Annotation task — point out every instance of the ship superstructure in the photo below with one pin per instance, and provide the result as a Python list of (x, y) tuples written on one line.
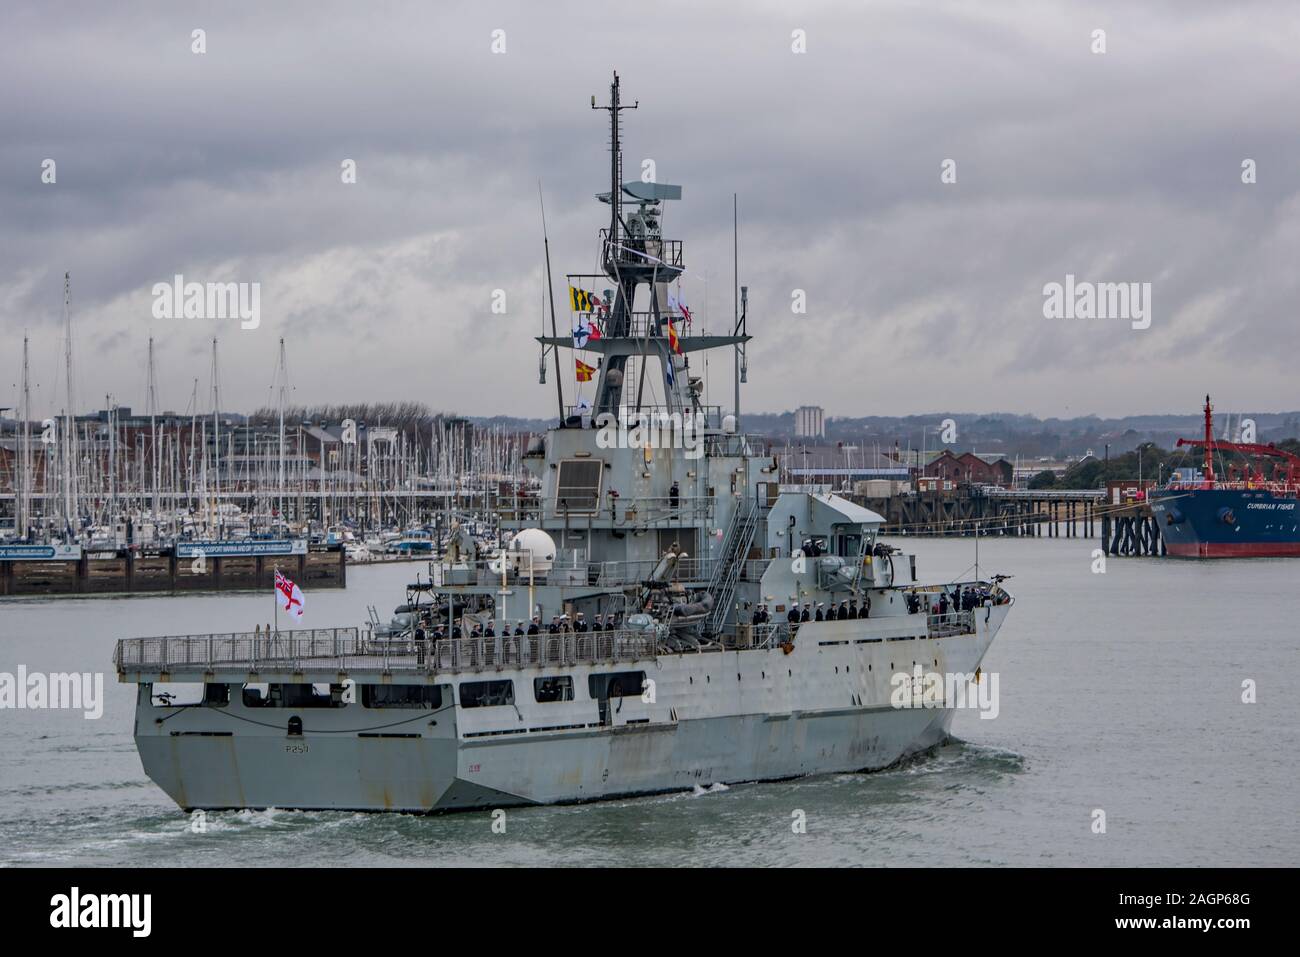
[(662, 615)]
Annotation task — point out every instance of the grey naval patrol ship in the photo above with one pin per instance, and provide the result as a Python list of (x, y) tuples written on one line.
[(663, 544)]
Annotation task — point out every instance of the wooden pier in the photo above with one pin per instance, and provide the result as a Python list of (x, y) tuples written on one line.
[(994, 512), (1131, 530)]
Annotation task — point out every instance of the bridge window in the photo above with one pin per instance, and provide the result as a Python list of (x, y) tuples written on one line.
[(486, 694), (553, 688), (616, 684), (401, 696)]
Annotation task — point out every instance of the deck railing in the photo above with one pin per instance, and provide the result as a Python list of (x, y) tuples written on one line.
[(349, 649), (952, 623), (352, 649)]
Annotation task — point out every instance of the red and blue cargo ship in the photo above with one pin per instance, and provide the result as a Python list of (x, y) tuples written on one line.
[(1250, 512)]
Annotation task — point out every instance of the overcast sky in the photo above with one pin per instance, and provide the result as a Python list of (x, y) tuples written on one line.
[(921, 295)]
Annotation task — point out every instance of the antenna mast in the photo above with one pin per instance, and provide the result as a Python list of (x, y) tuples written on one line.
[(546, 243), (615, 158)]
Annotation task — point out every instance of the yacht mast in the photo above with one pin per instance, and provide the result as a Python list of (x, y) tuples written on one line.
[(282, 375), (70, 504), (216, 440), (152, 402), (25, 452)]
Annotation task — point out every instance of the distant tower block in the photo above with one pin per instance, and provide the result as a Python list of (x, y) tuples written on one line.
[(810, 422)]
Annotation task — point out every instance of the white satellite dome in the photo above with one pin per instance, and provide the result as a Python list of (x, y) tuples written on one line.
[(539, 544)]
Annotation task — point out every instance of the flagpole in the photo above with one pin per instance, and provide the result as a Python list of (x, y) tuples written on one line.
[(274, 594)]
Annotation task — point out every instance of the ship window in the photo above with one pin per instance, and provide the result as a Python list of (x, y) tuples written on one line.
[(485, 694), (257, 696), (553, 688), (401, 696), (183, 694), (577, 488), (616, 684), (292, 695)]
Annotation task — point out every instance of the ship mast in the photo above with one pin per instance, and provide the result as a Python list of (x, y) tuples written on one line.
[(634, 253), (1209, 441), (615, 158)]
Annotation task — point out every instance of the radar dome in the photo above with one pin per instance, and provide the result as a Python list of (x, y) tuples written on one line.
[(540, 545)]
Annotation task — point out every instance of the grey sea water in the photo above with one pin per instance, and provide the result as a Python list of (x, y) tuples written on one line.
[(1119, 691)]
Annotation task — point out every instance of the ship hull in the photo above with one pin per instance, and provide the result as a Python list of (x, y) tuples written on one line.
[(721, 717), (1227, 523)]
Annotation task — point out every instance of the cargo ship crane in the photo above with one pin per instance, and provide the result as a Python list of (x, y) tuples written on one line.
[(1289, 475)]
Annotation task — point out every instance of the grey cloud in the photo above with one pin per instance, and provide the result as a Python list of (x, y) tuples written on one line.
[(1117, 167)]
